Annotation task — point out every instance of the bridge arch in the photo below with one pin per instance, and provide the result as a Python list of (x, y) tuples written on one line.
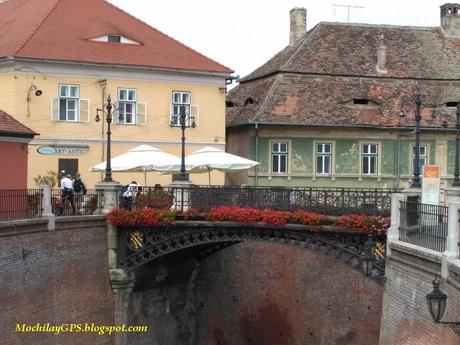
[(140, 245)]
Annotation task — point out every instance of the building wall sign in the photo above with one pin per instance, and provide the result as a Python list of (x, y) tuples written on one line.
[(431, 184), (62, 150), (46, 150)]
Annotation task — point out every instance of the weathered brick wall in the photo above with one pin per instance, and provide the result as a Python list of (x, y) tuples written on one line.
[(54, 277), (405, 316), (256, 294), (261, 293)]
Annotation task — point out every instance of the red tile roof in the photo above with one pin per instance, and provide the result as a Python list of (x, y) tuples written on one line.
[(315, 81), (61, 30), (10, 126)]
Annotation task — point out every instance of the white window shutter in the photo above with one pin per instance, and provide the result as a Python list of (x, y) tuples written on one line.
[(84, 110), (171, 113), (116, 113), (54, 109), (141, 113), (194, 113)]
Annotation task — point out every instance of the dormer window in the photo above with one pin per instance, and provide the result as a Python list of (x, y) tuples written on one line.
[(248, 100), (361, 101), (451, 104), (114, 38)]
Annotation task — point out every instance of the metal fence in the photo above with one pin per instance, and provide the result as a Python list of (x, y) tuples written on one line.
[(332, 201), (423, 225), (20, 204)]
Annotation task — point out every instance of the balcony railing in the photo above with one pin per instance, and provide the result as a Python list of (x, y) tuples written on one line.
[(424, 225), (20, 204)]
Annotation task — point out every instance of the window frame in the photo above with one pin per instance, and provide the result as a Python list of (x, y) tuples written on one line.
[(279, 154), (323, 155), (122, 105), (375, 155), (174, 119), (412, 157), (66, 99)]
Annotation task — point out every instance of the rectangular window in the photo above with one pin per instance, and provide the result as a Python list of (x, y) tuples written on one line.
[(369, 159), (69, 100), (127, 106), (323, 158), (180, 100), (279, 157), (423, 157)]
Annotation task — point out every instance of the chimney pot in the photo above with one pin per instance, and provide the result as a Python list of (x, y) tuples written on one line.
[(450, 20), (298, 24)]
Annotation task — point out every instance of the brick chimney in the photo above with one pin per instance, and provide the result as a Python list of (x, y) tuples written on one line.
[(381, 56), (298, 24), (450, 20)]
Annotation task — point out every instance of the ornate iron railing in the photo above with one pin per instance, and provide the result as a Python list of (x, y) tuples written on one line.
[(332, 201), (423, 225), (142, 244), (20, 204)]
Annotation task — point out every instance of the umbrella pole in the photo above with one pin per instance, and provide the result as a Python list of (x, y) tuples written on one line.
[(209, 177), (145, 177)]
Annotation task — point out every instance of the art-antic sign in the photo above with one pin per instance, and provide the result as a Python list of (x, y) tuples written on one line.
[(62, 150)]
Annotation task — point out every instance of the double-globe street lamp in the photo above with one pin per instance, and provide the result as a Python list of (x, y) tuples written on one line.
[(416, 182), (109, 112), (185, 120)]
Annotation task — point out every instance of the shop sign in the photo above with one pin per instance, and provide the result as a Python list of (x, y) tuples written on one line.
[(62, 150), (46, 150)]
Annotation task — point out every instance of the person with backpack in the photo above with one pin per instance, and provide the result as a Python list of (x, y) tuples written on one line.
[(79, 189), (129, 194)]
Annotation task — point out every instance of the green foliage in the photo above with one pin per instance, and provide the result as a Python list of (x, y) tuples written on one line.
[(51, 179)]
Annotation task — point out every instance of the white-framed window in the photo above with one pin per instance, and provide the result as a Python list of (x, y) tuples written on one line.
[(323, 158), (68, 107), (369, 159), (279, 157), (181, 99), (127, 106), (423, 152), (130, 110), (69, 101)]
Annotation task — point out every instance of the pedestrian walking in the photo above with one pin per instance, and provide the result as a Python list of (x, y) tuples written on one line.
[(67, 193), (79, 189)]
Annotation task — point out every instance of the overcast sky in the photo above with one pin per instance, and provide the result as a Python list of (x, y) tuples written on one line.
[(244, 34)]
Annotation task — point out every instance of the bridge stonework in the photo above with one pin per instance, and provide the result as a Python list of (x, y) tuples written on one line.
[(255, 292), (55, 277)]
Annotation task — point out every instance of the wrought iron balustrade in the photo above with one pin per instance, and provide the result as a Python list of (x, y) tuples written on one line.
[(332, 201), (85, 204), (423, 225)]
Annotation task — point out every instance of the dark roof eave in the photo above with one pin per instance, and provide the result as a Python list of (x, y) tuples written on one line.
[(18, 134), (265, 123)]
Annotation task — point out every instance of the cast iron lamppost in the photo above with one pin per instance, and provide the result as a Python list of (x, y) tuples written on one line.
[(456, 182), (416, 181), (108, 114), (183, 119), (436, 301)]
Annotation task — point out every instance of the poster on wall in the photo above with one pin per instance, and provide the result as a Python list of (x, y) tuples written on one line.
[(431, 184)]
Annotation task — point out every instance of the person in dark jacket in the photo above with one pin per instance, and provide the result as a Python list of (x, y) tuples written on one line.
[(79, 189)]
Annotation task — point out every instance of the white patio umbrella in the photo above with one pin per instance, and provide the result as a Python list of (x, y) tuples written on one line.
[(142, 158), (210, 158)]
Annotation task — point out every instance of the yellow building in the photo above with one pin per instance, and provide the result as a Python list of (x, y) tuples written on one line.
[(60, 59)]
